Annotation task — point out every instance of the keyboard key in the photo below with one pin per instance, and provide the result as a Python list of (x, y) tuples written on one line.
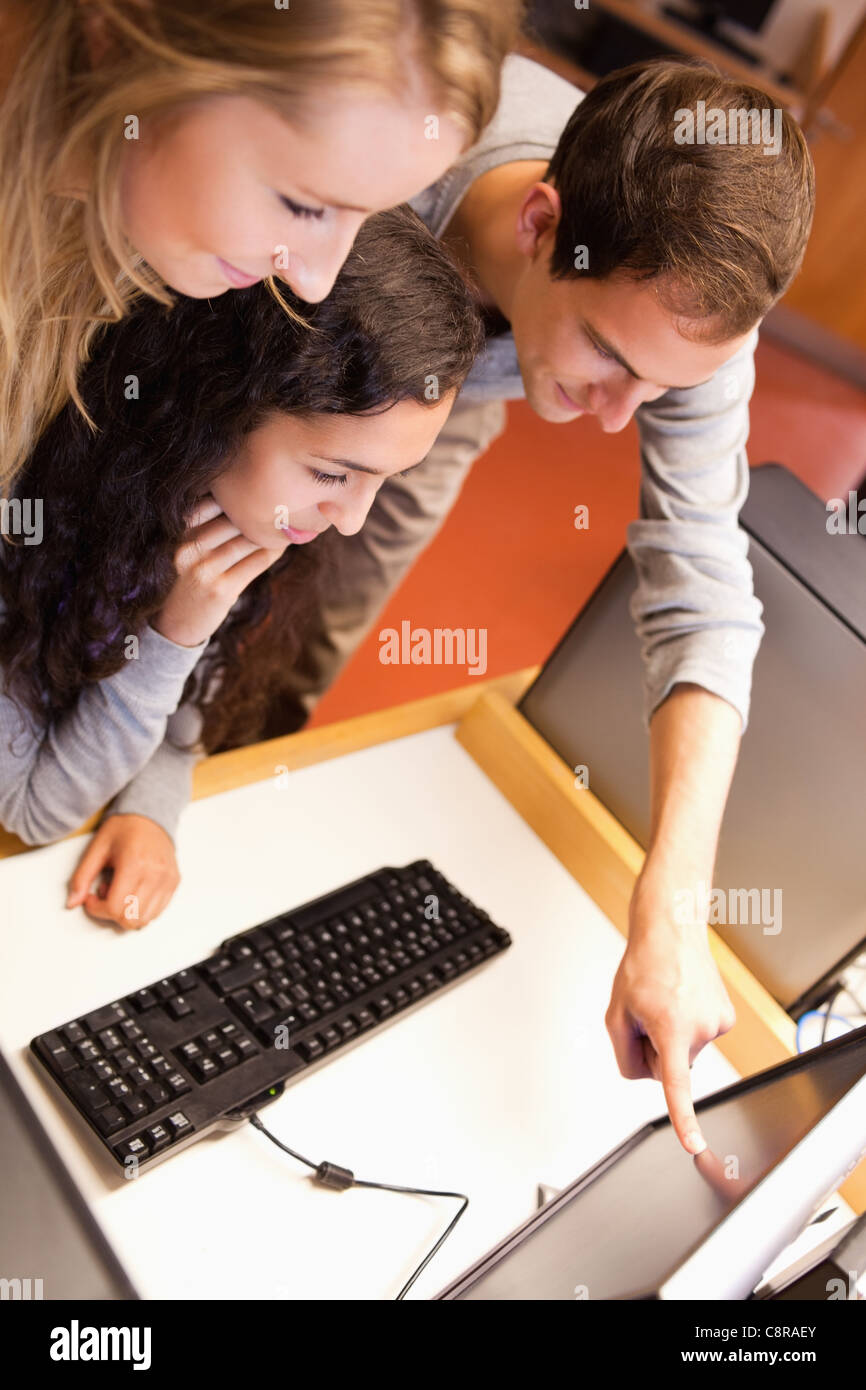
[(348, 1027), (230, 1029), (88, 1051), (205, 1069), (331, 1037), (179, 1007), (185, 981), (137, 1076), (166, 989), (178, 1124), (156, 1093), (104, 1018), (103, 1071), (146, 1049), (311, 1048), (241, 950), (364, 1019), (119, 1089), (144, 999), (126, 1060), (132, 1148), (110, 1120), (136, 1107), (217, 966), (227, 1057), (89, 1094), (73, 1033), (245, 1046), (211, 1040), (177, 1084), (157, 1137), (161, 1067), (189, 1051), (239, 975), (130, 1030), (110, 1039), (381, 1007), (62, 1059)]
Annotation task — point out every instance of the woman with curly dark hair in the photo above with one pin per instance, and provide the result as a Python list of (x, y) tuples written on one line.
[(164, 598)]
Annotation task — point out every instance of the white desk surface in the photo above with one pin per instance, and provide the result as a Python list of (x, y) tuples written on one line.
[(504, 1081)]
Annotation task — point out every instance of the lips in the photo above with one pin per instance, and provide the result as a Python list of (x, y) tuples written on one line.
[(238, 278), (567, 401), (299, 537)]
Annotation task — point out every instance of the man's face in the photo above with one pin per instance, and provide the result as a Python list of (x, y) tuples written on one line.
[(564, 331)]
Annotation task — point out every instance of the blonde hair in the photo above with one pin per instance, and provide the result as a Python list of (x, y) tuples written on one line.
[(66, 266)]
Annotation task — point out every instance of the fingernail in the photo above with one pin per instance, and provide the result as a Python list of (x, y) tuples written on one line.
[(695, 1143)]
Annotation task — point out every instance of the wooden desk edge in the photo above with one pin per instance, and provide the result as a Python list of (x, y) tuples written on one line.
[(605, 860)]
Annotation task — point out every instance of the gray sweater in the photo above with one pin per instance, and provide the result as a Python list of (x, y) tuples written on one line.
[(695, 612)]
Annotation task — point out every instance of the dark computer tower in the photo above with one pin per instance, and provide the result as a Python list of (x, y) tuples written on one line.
[(796, 816)]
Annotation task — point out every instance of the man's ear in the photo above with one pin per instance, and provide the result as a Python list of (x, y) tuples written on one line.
[(540, 211)]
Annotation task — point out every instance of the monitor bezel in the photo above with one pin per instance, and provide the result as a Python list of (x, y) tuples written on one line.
[(669, 1287)]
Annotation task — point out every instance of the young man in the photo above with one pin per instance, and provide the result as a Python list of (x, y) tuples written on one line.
[(625, 248)]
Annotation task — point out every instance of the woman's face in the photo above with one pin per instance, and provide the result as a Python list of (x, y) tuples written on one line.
[(295, 476), (225, 192)]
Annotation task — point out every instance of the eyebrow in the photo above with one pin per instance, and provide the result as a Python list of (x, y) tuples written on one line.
[(362, 467), (617, 355)]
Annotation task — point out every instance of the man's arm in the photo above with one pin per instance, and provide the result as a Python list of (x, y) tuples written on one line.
[(668, 999), (699, 624)]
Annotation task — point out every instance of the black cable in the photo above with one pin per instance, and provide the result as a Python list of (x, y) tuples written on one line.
[(332, 1175)]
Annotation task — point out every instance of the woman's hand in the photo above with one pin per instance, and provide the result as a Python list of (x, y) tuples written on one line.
[(139, 856), (215, 562)]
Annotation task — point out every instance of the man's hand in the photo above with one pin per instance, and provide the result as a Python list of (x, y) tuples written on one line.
[(137, 856), (668, 1002)]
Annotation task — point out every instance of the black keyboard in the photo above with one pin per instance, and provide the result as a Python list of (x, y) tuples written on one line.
[(209, 1045)]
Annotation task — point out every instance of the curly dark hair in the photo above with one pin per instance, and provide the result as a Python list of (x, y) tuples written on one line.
[(173, 391)]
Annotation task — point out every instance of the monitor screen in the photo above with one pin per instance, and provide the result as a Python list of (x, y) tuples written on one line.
[(50, 1246), (624, 1232)]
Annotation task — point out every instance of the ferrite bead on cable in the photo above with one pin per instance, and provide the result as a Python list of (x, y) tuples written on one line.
[(332, 1175)]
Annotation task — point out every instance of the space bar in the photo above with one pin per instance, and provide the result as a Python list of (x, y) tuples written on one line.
[(331, 903)]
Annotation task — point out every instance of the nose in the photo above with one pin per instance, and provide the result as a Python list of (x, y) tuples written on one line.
[(348, 514), (615, 405), (311, 272)]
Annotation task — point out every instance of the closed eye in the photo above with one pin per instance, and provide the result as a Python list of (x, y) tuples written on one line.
[(298, 209), (607, 356), (330, 479)]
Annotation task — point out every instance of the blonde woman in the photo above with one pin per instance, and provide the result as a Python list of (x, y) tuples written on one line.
[(150, 145)]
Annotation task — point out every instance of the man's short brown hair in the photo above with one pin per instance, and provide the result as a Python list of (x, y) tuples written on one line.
[(723, 226)]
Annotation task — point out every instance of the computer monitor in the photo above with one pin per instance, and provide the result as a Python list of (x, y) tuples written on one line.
[(651, 1222), (50, 1245), (791, 840)]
